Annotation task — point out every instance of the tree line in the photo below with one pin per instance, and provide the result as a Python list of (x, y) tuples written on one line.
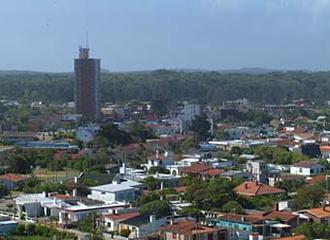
[(204, 87)]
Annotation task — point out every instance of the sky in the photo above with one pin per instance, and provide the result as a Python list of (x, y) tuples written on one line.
[(44, 35)]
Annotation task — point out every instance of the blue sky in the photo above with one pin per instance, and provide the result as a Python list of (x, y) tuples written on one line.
[(151, 34)]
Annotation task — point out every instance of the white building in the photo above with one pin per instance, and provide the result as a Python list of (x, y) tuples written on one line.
[(32, 205), (307, 168), (159, 160), (142, 225), (119, 190), (73, 214)]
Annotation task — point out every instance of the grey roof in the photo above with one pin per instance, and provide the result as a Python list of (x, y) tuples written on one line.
[(117, 187), (137, 221)]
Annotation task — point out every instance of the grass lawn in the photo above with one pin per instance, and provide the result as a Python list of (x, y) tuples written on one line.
[(55, 176), (29, 238)]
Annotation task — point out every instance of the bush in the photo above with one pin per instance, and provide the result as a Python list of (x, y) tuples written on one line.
[(31, 229), (20, 229)]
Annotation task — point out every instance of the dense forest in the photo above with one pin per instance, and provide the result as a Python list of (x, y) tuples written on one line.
[(204, 87)]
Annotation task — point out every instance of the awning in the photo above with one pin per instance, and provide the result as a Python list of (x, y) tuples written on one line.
[(280, 225)]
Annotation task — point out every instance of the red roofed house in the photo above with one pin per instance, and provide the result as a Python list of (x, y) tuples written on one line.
[(187, 229), (196, 170), (112, 221), (325, 151), (212, 173), (11, 181), (255, 189), (319, 215), (285, 217), (201, 170)]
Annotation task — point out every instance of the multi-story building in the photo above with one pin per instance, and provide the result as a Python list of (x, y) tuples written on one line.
[(87, 81)]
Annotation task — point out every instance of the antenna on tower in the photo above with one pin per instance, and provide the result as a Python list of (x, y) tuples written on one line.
[(87, 40)]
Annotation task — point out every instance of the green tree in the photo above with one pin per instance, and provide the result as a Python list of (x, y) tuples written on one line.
[(3, 190), (201, 127), (309, 196), (113, 135), (233, 207), (159, 208), (151, 183), (314, 230)]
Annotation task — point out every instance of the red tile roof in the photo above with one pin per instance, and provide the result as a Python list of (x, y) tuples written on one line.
[(319, 212), (196, 168), (256, 189), (122, 216), (316, 179), (284, 216), (241, 217), (325, 148), (188, 227), (213, 172), (62, 196), (14, 177)]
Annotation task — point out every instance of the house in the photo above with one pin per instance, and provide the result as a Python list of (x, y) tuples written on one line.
[(320, 215), (188, 229), (72, 211), (255, 189), (284, 217), (142, 225), (196, 170), (119, 190), (32, 205), (112, 221), (11, 181), (245, 227), (237, 174), (307, 168), (259, 170), (159, 160)]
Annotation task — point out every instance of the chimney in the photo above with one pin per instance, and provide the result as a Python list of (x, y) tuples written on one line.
[(246, 185), (44, 194), (243, 218), (157, 154), (161, 185), (75, 180), (74, 192)]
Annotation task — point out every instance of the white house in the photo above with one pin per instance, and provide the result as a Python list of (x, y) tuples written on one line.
[(307, 168), (73, 214), (32, 205), (119, 190), (159, 160), (142, 225)]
